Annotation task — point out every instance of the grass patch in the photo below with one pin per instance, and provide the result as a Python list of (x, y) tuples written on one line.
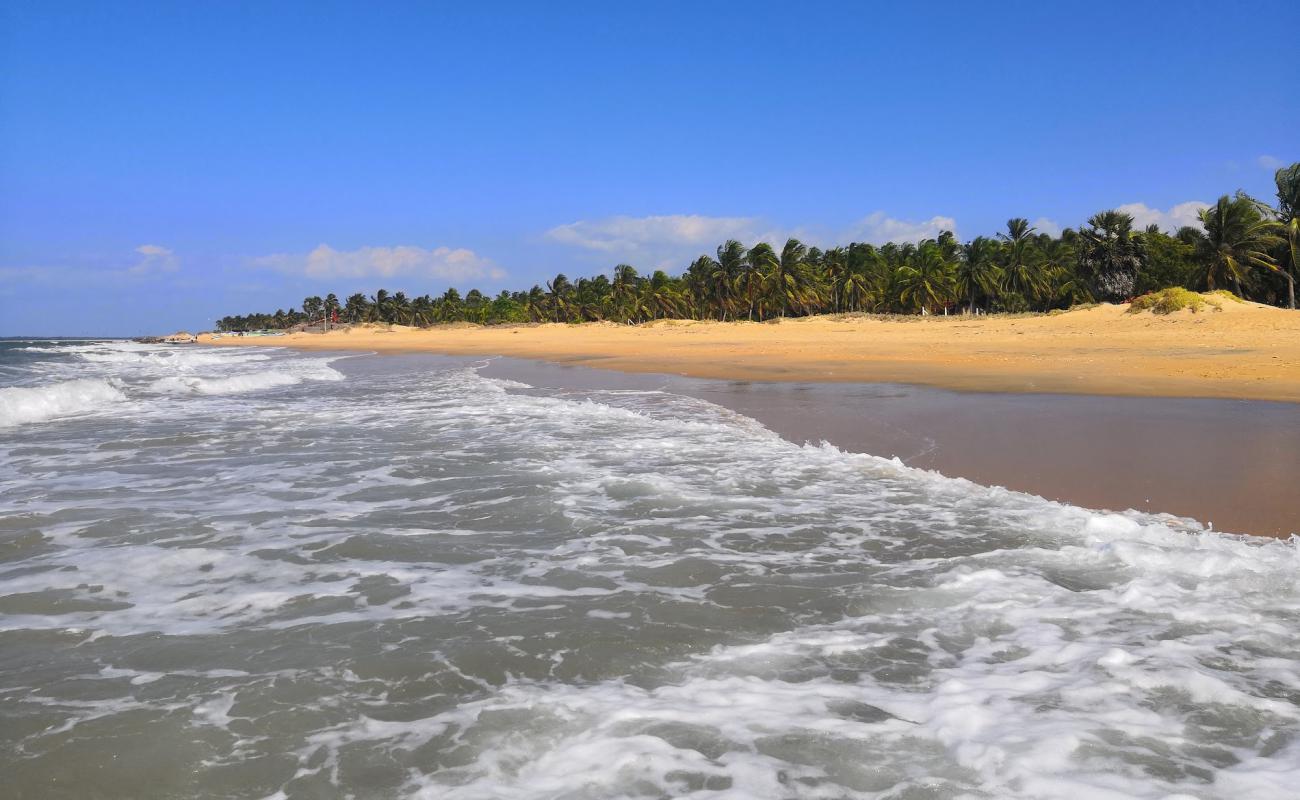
[(1167, 301), (1226, 295)]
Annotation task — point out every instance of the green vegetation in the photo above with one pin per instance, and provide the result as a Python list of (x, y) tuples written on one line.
[(1167, 301), (1241, 242)]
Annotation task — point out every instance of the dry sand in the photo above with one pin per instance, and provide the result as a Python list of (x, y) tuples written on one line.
[(1244, 351)]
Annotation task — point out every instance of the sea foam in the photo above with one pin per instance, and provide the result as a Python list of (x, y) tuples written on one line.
[(26, 404)]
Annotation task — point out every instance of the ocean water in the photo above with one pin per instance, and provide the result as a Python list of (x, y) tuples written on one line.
[(260, 573)]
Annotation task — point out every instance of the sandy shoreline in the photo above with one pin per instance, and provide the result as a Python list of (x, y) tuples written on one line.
[(1244, 351)]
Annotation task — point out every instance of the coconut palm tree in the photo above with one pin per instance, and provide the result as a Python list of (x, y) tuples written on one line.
[(856, 290), (1237, 237), (1288, 213), (559, 294), (312, 307), (721, 275), (787, 283), (927, 282), (379, 306), (449, 305), (659, 296), (1022, 269), (835, 270), (978, 271), (356, 308), (760, 261), (623, 292)]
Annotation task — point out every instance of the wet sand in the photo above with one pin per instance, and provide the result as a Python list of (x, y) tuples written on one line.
[(1229, 463)]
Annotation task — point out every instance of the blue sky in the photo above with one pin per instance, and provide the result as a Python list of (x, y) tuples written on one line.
[(165, 164)]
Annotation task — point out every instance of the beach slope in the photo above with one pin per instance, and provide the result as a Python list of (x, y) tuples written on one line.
[(1240, 350)]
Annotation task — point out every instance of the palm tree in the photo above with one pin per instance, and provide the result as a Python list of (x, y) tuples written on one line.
[(559, 293), (1288, 213), (721, 274), (787, 282), (927, 281), (356, 308), (759, 263), (835, 267), (379, 306), (1022, 271), (422, 310), (623, 291), (449, 305), (400, 308), (312, 306), (856, 290), (659, 297), (978, 271), (1110, 256), (1237, 237), (535, 304)]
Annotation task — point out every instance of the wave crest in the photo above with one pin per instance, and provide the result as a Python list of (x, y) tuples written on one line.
[(26, 404)]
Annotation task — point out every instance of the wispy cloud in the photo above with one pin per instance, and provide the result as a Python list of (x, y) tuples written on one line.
[(1271, 162), (653, 233), (154, 258), (879, 228), (325, 262), (1178, 216), (669, 240), (151, 260)]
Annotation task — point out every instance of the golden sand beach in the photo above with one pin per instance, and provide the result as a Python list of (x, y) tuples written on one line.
[(1240, 350)]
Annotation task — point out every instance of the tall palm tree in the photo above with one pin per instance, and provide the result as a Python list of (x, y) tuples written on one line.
[(659, 296), (422, 310), (623, 292), (787, 284), (535, 304), (1022, 270), (1237, 237), (356, 307), (835, 267), (559, 293), (722, 275), (978, 271), (379, 306), (927, 282), (1288, 213), (759, 263), (856, 290), (312, 307)]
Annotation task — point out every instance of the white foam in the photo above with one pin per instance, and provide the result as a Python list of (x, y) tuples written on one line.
[(918, 634), (27, 404), (242, 382)]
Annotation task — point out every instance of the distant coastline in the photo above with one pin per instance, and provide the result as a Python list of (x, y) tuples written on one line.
[(1238, 350)]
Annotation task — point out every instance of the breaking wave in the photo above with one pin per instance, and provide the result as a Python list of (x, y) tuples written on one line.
[(26, 404)]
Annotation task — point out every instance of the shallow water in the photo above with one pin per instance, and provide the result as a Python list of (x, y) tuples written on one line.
[(229, 573)]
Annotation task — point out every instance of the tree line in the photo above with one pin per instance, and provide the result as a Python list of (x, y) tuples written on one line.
[(1243, 244)]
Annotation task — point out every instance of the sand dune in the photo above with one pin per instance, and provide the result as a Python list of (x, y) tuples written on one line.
[(1244, 350)]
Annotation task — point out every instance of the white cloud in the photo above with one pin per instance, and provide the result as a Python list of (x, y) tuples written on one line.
[(1048, 226), (654, 233), (669, 241), (154, 258), (384, 262), (1271, 162), (878, 228), (1176, 217)]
